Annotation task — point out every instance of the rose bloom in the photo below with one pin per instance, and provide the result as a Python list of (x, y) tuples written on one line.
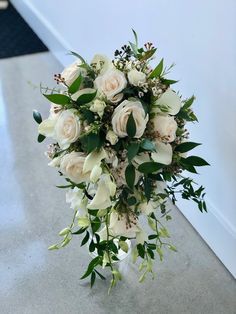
[(71, 73), (67, 128), (121, 116), (72, 167), (165, 127), (136, 77), (111, 83)]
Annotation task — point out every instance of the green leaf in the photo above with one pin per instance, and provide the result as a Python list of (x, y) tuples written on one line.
[(158, 70), (63, 186), (100, 275), (141, 250), (196, 161), (135, 37), (78, 56), (58, 99), (172, 248), (149, 167), (160, 252), (130, 176), (93, 277), (131, 201), (91, 266), (152, 236), (85, 239), (188, 103), (85, 98), (147, 187), (187, 166), (185, 147), (75, 85), (131, 126), (134, 48), (41, 138), (148, 145), (92, 246), (124, 246), (133, 149), (37, 116), (148, 54), (81, 230), (168, 82), (93, 142)]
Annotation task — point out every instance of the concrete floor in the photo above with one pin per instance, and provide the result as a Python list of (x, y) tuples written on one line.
[(34, 280)]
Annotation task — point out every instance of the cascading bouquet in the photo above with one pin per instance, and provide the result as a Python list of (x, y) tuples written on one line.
[(120, 142)]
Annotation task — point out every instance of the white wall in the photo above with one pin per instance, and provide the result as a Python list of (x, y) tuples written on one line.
[(199, 36)]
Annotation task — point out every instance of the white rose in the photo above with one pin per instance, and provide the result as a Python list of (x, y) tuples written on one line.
[(136, 77), (117, 98), (165, 127), (102, 63), (71, 73), (67, 128), (98, 107), (72, 167), (111, 83), (112, 137), (121, 116)]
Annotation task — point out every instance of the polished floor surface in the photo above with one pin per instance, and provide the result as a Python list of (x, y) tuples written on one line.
[(34, 280)]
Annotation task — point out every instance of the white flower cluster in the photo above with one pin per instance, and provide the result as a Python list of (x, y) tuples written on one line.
[(116, 125)]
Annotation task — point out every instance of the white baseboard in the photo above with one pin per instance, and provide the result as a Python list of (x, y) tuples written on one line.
[(217, 232), (45, 31)]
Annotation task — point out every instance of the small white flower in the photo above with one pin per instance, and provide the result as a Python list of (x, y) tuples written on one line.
[(98, 107), (101, 63), (77, 200), (112, 137), (136, 77)]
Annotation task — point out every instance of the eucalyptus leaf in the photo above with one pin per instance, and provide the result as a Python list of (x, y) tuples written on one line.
[(41, 138), (37, 116)]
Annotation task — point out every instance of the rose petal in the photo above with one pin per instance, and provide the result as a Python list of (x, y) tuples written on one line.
[(92, 159), (170, 99), (164, 153)]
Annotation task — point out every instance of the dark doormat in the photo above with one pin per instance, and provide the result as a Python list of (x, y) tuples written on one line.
[(16, 37)]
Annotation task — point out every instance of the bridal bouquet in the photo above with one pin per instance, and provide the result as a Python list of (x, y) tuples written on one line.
[(121, 144)]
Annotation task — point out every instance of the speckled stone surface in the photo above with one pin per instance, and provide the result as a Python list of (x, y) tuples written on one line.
[(36, 281)]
